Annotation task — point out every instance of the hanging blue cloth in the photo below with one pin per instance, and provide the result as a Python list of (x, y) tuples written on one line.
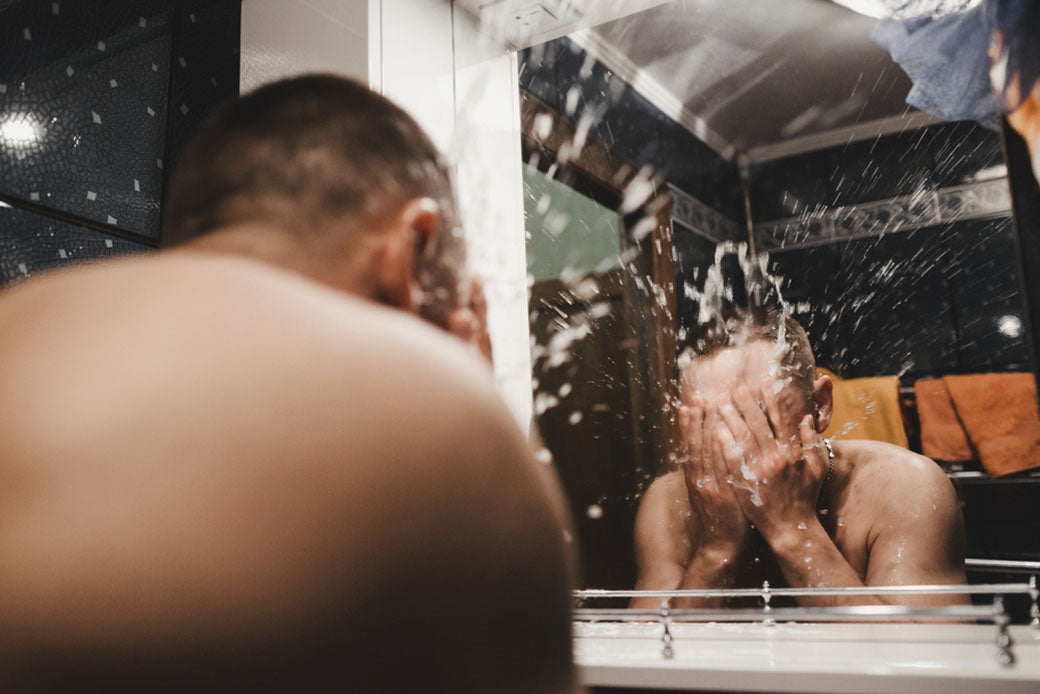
[(944, 46)]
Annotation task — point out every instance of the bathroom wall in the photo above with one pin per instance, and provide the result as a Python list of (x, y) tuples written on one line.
[(96, 102), (630, 125), (283, 38), (575, 235), (899, 251), (705, 187)]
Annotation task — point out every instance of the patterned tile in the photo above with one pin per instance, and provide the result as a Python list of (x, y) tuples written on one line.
[(691, 212), (981, 200)]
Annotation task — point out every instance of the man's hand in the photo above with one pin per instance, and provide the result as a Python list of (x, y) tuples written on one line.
[(721, 525), (778, 466), (469, 322)]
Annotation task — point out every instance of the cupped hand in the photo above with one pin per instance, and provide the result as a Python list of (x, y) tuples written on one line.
[(721, 525), (778, 464), (469, 322)]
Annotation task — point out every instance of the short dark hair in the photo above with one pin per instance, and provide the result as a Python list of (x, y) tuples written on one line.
[(304, 152), (738, 326)]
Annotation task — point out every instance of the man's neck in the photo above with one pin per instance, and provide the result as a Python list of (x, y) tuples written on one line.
[(844, 460), (274, 247)]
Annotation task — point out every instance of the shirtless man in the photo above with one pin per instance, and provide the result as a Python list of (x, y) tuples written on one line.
[(240, 464), (758, 497)]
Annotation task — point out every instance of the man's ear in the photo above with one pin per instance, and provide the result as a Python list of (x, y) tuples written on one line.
[(406, 237), (823, 400)]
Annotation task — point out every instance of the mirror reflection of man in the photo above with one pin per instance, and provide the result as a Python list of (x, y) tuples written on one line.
[(761, 496), (244, 464)]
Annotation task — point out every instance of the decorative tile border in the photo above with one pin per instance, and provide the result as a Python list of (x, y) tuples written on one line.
[(957, 203), (702, 219)]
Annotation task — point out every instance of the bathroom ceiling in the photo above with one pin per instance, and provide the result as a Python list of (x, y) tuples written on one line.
[(759, 73)]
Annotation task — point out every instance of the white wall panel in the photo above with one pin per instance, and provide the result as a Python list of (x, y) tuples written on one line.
[(282, 38), (416, 67), (490, 184)]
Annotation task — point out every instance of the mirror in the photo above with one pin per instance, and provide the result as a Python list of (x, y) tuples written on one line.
[(690, 160)]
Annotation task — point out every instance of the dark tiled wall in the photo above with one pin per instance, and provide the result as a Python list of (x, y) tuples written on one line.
[(629, 124), (938, 156), (95, 82), (205, 70), (929, 301), (914, 303), (31, 243), (693, 255), (560, 73)]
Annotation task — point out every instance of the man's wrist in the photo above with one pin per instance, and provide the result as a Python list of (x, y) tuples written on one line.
[(790, 538), (718, 553)]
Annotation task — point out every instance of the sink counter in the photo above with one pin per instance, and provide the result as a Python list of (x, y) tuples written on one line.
[(799, 657)]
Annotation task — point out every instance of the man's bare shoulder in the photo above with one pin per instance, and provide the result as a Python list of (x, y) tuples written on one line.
[(893, 478), (666, 493), (198, 339), (219, 448), (876, 461), (664, 511)]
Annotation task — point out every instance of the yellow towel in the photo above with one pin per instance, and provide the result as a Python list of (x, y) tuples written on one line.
[(866, 408)]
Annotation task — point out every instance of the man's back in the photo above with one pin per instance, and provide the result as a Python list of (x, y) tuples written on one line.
[(215, 472)]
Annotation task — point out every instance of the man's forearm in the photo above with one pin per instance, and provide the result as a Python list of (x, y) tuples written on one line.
[(709, 568), (810, 559)]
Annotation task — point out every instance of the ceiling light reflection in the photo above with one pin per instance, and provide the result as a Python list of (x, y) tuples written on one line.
[(1010, 325), (20, 131)]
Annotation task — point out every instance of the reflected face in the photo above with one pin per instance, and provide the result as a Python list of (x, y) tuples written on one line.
[(755, 365)]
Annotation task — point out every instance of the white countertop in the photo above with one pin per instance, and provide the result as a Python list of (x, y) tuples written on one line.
[(848, 658)]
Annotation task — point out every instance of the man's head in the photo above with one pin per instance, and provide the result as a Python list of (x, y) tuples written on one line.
[(324, 170), (757, 348)]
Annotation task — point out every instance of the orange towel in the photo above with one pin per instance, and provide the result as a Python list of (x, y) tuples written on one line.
[(866, 408), (942, 433), (999, 412)]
